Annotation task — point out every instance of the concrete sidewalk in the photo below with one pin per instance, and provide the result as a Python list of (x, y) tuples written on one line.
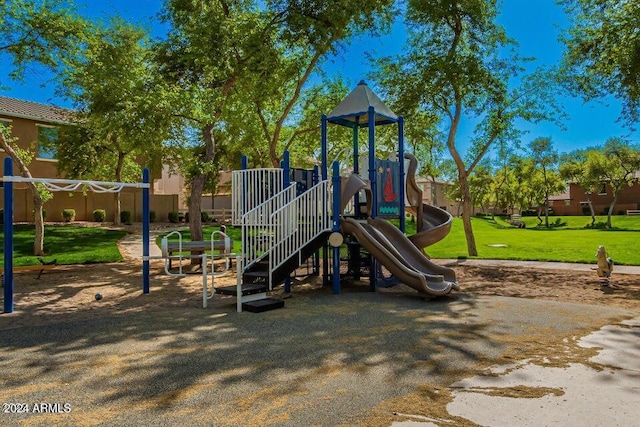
[(545, 265), (603, 393)]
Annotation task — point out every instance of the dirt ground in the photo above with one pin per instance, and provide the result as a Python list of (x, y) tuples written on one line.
[(68, 292)]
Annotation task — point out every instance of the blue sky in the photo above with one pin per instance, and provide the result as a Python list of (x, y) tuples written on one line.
[(533, 24)]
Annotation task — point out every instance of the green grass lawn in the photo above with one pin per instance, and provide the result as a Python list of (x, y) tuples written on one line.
[(67, 244), (567, 241)]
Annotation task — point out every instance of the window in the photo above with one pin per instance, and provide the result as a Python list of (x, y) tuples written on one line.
[(603, 189), (47, 139)]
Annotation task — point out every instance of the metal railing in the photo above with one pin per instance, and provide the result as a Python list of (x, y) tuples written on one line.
[(251, 188), (257, 229), (299, 222)]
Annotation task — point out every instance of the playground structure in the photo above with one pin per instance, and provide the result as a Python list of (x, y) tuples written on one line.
[(285, 221)]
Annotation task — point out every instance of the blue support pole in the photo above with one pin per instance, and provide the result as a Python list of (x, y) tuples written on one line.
[(356, 165), (324, 172), (372, 163), (8, 237), (374, 190), (336, 226), (402, 172), (323, 136), (287, 182), (145, 232)]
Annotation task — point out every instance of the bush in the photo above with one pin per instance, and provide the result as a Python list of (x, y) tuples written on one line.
[(99, 215), (186, 217), (173, 217), (125, 217), (69, 215), (204, 217), (1, 216), (152, 216)]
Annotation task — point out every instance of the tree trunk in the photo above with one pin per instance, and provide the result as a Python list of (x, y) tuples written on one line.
[(466, 215), (197, 188), (611, 206), (116, 196), (38, 242), (593, 213)]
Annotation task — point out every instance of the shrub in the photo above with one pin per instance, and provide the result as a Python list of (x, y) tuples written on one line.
[(1, 216), (186, 217), (204, 217), (173, 217), (99, 215), (69, 215), (125, 217), (152, 216), (44, 214)]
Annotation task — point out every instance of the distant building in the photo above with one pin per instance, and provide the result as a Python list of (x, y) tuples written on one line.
[(434, 192), (575, 201)]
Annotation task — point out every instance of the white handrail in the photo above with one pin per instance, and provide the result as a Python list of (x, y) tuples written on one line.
[(257, 231), (298, 222), (251, 188)]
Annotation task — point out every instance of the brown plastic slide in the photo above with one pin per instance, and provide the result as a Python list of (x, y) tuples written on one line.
[(433, 223), (406, 262)]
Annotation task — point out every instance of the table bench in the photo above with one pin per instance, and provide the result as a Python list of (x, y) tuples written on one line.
[(168, 248), (633, 211)]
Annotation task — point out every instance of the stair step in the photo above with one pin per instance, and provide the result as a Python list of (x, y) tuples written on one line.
[(247, 289), (266, 304), (258, 273)]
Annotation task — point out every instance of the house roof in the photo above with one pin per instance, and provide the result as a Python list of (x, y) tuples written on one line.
[(353, 110), (564, 196), (12, 107)]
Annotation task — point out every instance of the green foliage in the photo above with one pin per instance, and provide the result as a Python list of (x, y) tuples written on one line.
[(68, 244), (174, 217), (125, 217), (69, 215), (602, 55), (204, 217), (152, 216), (1, 216), (99, 215)]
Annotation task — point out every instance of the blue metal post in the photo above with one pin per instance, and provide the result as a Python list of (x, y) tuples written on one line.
[(286, 183), (323, 136), (8, 237), (372, 163), (145, 232), (336, 225), (374, 189), (356, 165), (401, 173)]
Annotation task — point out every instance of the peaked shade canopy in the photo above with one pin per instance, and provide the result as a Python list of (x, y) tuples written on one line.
[(353, 110)]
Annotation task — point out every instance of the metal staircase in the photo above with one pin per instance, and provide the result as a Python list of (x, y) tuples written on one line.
[(278, 235)]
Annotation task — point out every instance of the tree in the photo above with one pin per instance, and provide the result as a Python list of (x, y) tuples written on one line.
[(545, 158), (573, 169), (459, 63), (36, 32), (122, 108), (617, 166), (217, 50), (602, 54)]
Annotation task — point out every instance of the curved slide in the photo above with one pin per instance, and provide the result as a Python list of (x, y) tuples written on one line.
[(433, 223), (400, 256)]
